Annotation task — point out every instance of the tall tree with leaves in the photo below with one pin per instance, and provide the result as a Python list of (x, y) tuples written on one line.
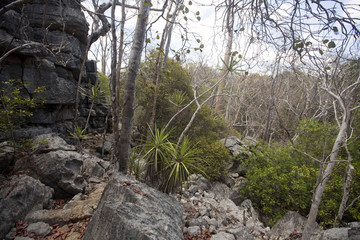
[(130, 83)]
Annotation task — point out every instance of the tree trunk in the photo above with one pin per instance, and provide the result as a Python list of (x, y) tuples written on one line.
[(130, 83), (160, 64), (320, 188), (230, 35), (114, 89), (347, 184)]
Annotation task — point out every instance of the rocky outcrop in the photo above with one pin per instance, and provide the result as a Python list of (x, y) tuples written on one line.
[(129, 209), (57, 165), (209, 209), (18, 197), (290, 223), (80, 207), (56, 34)]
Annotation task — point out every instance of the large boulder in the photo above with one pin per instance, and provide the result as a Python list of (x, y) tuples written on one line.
[(292, 222), (335, 234), (129, 209), (19, 196), (80, 207), (57, 165)]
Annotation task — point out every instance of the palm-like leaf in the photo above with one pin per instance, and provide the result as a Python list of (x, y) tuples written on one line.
[(156, 152), (180, 164)]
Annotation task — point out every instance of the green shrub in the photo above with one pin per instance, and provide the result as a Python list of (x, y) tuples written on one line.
[(104, 82), (214, 157), (275, 184)]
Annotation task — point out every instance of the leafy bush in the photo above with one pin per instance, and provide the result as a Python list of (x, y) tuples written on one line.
[(104, 82), (15, 108), (283, 178), (276, 184), (214, 158)]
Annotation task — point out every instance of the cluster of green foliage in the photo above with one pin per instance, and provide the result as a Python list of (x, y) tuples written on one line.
[(104, 84), (215, 157), (15, 106), (283, 178), (174, 93), (167, 165)]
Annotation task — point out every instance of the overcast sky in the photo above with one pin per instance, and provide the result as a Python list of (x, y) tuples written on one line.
[(209, 30)]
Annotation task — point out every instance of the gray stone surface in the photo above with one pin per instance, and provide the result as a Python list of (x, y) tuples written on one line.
[(132, 210), (57, 165), (62, 27), (335, 234), (193, 230), (223, 236), (19, 196), (39, 228), (292, 221)]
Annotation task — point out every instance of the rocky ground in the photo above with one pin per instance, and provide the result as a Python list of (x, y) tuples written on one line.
[(59, 193)]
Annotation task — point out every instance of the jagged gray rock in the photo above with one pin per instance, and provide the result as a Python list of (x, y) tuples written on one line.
[(335, 234), (290, 222), (129, 209), (39, 228), (19, 196), (60, 30), (57, 165)]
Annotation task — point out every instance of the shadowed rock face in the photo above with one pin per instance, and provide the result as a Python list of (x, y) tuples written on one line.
[(132, 210), (60, 30), (19, 196)]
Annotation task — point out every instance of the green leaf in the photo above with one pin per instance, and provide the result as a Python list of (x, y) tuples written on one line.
[(198, 40), (190, 3), (335, 29), (331, 45), (186, 10), (201, 45), (148, 40), (197, 13), (326, 41), (321, 52), (198, 18), (185, 18)]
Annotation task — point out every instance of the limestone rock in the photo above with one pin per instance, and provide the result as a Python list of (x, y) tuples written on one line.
[(335, 234), (19, 196), (290, 222), (223, 236), (39, 228), (132, 210), (76, 209), (58, 166)]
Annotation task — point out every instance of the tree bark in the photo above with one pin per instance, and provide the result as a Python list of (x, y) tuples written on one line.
[(320, 188), (347, 184), (130, 83), (114, 89), (230, 35)]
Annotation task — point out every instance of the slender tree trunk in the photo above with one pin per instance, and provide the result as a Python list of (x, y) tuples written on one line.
[(116, 67), (160, 64), (230, 35), (130, 83), (121, 45), (320, 188), (347, 184), (114, 88)]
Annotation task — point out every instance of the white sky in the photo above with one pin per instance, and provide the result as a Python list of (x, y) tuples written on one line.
[(209, 30)]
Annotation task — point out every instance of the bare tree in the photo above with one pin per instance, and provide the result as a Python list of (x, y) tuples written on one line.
[(130, 83), (229, 26)]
